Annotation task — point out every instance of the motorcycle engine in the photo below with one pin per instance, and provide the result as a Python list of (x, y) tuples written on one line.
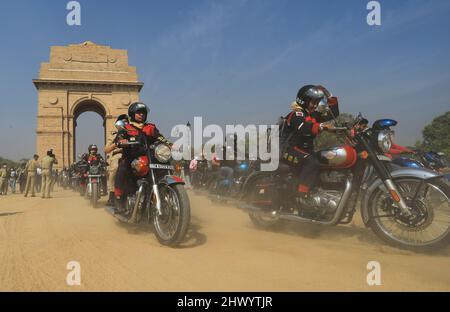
[(327, 200), (131, 202), (333, 177)]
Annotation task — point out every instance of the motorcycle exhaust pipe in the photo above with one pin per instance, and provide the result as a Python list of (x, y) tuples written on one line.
[(260, 210), (288, 217)]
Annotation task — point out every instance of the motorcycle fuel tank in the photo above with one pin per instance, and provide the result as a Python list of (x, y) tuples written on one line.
[(340, 157)]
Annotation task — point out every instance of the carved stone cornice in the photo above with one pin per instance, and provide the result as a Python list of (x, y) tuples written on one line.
[(77, 85)]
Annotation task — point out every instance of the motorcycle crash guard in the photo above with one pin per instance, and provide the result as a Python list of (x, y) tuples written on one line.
[(423, 174)]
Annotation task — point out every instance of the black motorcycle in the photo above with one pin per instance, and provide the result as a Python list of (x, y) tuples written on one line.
[(160, 197), (406, 207), (199, 177), (95, 183), (224, 190)]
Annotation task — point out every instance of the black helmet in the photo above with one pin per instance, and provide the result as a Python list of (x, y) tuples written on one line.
[(310, 93), (137, 107), (92, 147), (122, 117)]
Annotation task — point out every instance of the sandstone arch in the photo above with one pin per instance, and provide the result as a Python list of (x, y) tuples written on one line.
[(79, 78)]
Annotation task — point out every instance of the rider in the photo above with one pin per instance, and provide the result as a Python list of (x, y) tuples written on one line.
[(136, 130), (93, 158), (304, 123)]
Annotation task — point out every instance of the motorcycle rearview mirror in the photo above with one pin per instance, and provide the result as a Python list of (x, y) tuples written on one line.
[(323, 106), (120, 125)]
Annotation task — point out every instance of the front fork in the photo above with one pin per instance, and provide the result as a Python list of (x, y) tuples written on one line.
[(155, 190), (386, 177)]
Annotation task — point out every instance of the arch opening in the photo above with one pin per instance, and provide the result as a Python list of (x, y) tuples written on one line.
[(86, 129)]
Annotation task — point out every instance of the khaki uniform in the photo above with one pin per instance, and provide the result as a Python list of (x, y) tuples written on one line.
[(113, 162), (47, 167), (30, 170), (3, 180)]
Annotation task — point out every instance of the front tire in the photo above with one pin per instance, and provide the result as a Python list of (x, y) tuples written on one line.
[(431, 209), (172, 225), (94, 195)]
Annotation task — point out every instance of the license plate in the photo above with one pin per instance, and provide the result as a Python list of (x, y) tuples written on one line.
[(159, 166)]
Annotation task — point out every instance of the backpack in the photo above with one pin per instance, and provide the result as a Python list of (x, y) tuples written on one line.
[(285, 133)]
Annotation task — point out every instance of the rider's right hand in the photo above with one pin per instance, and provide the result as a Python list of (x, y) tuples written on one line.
[(123, 141)]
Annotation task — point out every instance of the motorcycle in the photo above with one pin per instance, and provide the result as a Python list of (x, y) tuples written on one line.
[(405, 207), (222, 190), (82, 176), (65, 179), (200, 175), (160, 198), (95, 185), (419, 159)]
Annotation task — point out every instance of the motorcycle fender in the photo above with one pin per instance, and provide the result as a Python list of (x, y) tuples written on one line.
[(171, 180), (251, 178), (424, 174)]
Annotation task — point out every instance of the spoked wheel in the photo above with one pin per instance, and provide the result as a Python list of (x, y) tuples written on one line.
[(428, 226), (171, 226)]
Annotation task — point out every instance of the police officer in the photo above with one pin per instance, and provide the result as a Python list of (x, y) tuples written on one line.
[(31, 171), (304, 124), (47, 167), (4, 179), (113, 161)]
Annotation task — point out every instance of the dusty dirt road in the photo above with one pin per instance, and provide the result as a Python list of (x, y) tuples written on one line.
[(224, 252)]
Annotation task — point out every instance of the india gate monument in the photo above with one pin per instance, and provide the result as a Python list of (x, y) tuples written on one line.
[(80, 78)]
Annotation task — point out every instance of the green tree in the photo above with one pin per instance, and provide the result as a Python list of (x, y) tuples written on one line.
[(436, 136), (9, 163)]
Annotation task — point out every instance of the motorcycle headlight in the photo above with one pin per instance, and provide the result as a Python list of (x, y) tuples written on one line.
[(384, 141), (163, 153)]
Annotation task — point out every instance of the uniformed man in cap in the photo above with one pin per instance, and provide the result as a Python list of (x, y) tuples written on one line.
[(113, 162), (31, 171), (47, 167), (4, 176)]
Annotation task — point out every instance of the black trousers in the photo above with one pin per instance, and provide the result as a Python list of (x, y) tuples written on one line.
[(304, 164), (124, 183)]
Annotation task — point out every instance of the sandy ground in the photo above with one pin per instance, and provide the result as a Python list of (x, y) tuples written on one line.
[(223, 252)]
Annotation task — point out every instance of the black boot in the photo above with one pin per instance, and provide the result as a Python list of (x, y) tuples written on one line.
[(110, 202), (120, 204)]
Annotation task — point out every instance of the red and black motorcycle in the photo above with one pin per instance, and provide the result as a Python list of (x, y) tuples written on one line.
[(407, 207), (160, 198)]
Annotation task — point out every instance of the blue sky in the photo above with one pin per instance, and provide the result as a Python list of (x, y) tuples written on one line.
[(236, 61)]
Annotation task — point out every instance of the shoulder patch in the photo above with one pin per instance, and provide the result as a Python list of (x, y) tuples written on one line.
[(299, 114)]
